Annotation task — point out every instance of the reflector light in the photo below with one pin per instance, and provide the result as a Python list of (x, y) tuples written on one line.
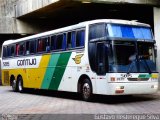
[(119, 91)]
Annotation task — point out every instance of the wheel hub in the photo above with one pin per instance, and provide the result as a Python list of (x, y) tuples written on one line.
[(86, 90)]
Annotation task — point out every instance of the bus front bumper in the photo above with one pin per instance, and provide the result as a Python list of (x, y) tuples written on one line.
[(132, 88)]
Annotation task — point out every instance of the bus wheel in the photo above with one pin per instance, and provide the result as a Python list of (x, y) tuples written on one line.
[(86, 90), (20, 84), (14, 86)]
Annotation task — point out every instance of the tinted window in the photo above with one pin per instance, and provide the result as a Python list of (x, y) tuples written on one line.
[(59, 41), (30, 47), (48, 48), (4, 52), (69, 38), (20, 48), (92, 55), (53, 42), (12, 50), (73, 39), (27, 47), (64, 42), (97, 31), (80, 36), (42, 43), (9, 51)]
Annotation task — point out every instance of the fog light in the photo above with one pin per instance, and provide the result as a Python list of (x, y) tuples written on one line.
[(154, 86)]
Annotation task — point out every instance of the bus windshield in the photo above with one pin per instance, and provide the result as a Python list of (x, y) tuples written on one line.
[(131, 47), (129, 32), (129, 56)]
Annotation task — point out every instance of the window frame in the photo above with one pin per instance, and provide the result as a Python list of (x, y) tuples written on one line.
[(24, 49), (55, 42), (78, 30), (10, 47), (73, 47), (29, 49), (28, 44), (44, 39), (91, 25), (5, 54)]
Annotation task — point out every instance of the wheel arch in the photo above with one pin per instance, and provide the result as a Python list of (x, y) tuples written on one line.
[(81, 80), (19, 76), (12, 77)]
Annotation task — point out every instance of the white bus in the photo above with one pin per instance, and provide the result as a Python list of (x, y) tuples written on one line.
[(109, 57)]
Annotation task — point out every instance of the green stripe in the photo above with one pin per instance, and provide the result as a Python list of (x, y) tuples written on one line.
[(59, 70), (50, 70), (144, 76)]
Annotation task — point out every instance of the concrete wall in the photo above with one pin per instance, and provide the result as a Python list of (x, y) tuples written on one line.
[(24, 7), (27, 6), (9, 24), (7, 13), (149, 2), (157, 35)]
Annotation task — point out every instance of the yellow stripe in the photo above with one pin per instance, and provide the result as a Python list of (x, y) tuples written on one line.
[(35, 76), (32, 77), (155, 76)]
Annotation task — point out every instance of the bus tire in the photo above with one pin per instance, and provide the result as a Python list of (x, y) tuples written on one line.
[(20, 84), (14, 85), (86, 90)]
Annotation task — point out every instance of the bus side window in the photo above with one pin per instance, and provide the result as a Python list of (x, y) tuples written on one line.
[(73, 39), (43, 45), (40, 45), (27, 48), (9, 51), (12, 50), (17, 49), (20, 49), (32, 47), (53, 42), (69, 45), (59, 41), (64, 41), (48, 44), (5, 52), (97, 31), (80, 36)]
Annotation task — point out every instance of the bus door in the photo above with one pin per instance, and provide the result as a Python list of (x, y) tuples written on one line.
[(101, 65)]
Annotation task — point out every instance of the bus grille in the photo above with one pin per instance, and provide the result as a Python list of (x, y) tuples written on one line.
[(6, 77), (138, 79)]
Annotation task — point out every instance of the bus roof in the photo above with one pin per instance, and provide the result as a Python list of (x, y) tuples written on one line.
[(80, 25)]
